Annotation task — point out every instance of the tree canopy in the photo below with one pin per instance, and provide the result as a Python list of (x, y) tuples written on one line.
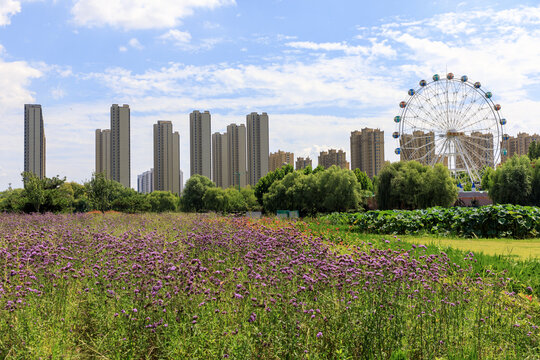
[(411, 185)]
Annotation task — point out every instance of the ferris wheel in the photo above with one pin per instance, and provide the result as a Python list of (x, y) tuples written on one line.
[(453, 122)]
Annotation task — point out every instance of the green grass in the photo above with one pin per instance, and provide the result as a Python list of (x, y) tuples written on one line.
[(176, 286), (519, 259)]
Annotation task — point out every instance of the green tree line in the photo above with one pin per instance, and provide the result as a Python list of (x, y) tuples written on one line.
[(516, 181), (101, 194)]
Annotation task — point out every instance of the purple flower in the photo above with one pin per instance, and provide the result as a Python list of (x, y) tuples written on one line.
[(319, 334)]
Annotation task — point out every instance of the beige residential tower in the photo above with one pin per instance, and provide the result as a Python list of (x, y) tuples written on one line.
[(280, 158), (34, 140), (166, 170), (120, 144), (367, 151), (200, 148), (257, 146)]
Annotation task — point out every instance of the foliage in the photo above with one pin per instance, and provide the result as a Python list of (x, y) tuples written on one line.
[(535, 182), (534, 150), (264, 183), (512, 182), (363, 180), (334, 189), (487, 221), (411, 185), (487, 179), (162, 201), (192, 196), (230, 200), (102, 192), (121, 286), (12, 200)]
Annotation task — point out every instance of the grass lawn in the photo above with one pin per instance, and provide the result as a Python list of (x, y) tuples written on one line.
[(520, 249)]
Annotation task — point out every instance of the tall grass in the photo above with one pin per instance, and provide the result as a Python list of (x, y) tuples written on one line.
[(202, 287)]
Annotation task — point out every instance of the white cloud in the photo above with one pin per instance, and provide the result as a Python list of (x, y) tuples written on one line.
[(327, 46), (139, 14), (122, 49), (8, 8), (182, 40), (57, 93), (134, 43), (177, 37)]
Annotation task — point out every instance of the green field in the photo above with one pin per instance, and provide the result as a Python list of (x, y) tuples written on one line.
[(178, 286)]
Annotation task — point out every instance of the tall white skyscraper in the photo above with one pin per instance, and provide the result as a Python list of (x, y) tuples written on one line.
[(166, 158), (145, 182), (34, 140), (120, 144), (257, 146), (200, 147)]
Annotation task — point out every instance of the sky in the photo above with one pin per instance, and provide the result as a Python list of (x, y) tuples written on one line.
[(319, 68)]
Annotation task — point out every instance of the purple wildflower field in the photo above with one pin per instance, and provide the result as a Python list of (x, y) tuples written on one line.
[(179, 286)]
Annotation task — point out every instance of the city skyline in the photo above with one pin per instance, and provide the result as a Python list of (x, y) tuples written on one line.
[(320, 69), (227, 156)]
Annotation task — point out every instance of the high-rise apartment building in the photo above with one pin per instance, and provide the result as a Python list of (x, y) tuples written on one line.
[(477, 149), (257, 146), (518, 145), (200, 147), (280, 158), (302, 163), (236, 155), (333, 157), (145, 182), (367, 151), (34, 140), (166, 157), (419, 146), (103, 152), (120, 144), (220, 161)]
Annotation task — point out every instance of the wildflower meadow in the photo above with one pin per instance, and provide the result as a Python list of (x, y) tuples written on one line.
[(177, 286)]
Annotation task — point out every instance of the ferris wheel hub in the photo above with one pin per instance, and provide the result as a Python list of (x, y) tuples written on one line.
[(453, 133)]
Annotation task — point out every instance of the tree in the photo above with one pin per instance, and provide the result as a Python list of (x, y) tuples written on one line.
[(339, 189), (235, 201), (215, 199), (34, 191), (534, 150), (487, 178), (363, 180), (131, 201), (535, 183), (192, 196), (162, 201), (12, 200), (334, 189), (411, 185), (438, 188), (102, 192), (249, 197), (281, 194), (264, 183), (512, 182)]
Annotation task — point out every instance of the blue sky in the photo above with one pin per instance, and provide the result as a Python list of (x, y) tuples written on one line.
[(320, 69)]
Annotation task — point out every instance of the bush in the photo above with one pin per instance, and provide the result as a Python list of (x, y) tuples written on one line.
[(411, 185), (486, 221), (334, 189), (192, 196), (512, 182)]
